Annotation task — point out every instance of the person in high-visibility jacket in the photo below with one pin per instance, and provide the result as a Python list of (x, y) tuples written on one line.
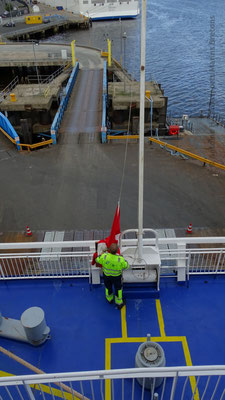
[(112, 266)]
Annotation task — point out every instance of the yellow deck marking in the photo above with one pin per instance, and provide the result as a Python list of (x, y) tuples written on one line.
[(46, 389), (3, 374), (124, 322), (107, 366), (189, 363), (160, 318), (162, 338)]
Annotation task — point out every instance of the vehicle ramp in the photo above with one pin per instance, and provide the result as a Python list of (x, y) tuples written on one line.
[(82, 119)]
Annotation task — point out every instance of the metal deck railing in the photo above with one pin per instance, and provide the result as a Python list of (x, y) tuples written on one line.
[(192, 255), (178, 383), (179, 256)]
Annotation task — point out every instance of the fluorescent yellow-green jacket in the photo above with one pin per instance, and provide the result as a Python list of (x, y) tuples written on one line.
[(112, 264)]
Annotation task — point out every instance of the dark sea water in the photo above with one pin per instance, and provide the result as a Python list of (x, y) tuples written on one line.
[(177, 50)]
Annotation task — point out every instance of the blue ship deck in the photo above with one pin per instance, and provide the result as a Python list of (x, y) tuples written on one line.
[(89, 334)]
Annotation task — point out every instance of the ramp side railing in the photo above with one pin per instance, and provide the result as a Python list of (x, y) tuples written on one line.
[(177, 383), (104, 104), (180, 258), (7, 129), (63, 104), (45, 79), (8, 89)]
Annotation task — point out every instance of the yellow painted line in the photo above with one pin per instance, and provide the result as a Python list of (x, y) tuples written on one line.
[(124, 322), (107, 366), (4, 374), (168, 339), (143, 339), (46, 389), (188, 153), (56, 392), (160, 318), (189, 363)]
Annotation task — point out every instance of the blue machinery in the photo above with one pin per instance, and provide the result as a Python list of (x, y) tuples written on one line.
[(63, 104), (104, 105), (9, 131)]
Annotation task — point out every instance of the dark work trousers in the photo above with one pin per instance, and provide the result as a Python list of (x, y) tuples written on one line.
[(110, 281)]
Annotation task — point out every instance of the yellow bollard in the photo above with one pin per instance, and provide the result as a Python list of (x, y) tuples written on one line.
[(12, 97), (148, 94), (73, 53), (109, 53)]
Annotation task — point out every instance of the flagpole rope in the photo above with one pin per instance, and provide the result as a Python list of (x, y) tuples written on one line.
[(128, 128)]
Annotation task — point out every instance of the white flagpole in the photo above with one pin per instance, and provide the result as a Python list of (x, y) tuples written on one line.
[(141, 131)]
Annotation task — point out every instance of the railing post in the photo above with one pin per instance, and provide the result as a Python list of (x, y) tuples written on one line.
[(2, 272), (53, 136), (18, 143), (104, 105), (73, 53), (181, 262), (29, 391), (109, 52), (218, 262), (174, 386)]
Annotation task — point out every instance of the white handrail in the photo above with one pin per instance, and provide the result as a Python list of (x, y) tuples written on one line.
[(115, 374), (125, 242)]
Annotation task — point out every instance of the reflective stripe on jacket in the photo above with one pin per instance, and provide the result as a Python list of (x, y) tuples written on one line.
[(112, 264)]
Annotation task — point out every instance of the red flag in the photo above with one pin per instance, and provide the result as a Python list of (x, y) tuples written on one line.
[(115, 230), (114, 234)]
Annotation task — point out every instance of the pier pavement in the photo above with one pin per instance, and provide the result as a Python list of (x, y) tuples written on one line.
[(76, 186), (22, 54)]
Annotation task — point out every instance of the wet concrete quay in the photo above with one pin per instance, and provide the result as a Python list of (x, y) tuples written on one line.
[(76, 186)]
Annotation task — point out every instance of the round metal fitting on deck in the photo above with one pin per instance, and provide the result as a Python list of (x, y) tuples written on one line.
[(150, 355), (12, 97), (33, 322)]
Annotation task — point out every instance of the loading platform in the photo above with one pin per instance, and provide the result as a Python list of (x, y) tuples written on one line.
[(23, 99), (88, 334), (82, 119)]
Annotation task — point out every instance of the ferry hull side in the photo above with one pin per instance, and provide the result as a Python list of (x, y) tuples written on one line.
[(100, 18)]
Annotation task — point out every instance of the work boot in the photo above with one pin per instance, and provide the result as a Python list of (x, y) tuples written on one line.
[(110, 302), (119, 306)]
